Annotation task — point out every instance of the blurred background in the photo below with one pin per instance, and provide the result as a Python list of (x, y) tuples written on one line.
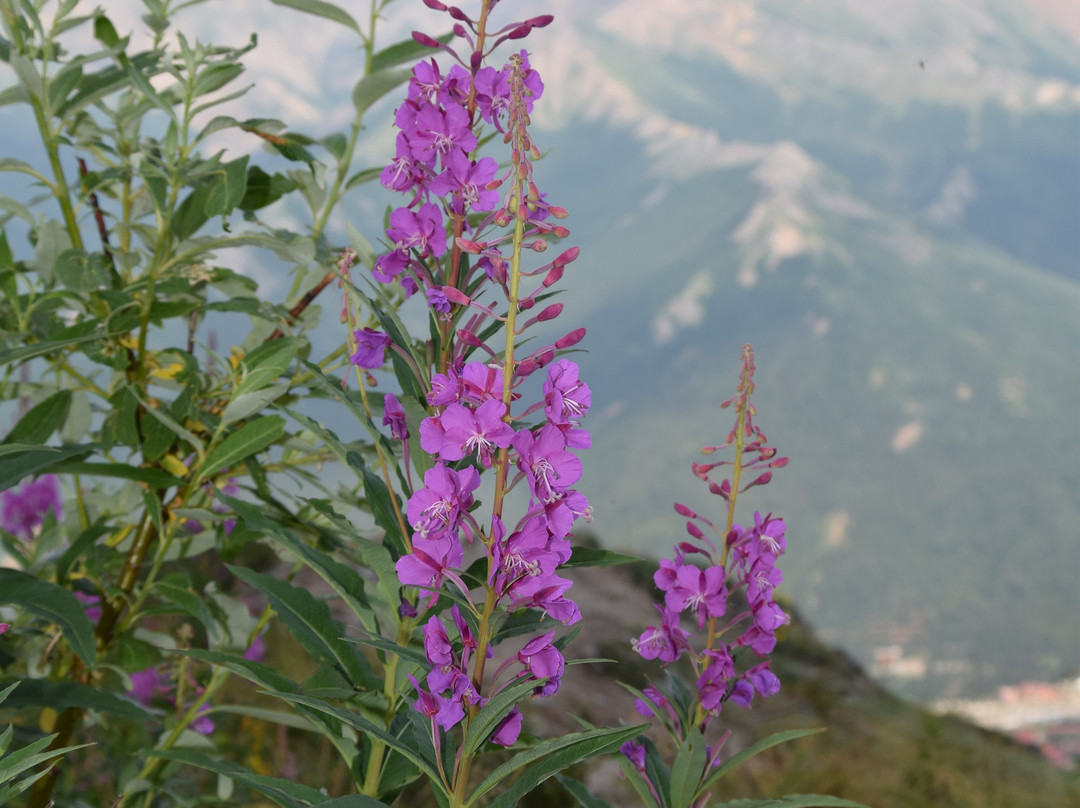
[(884, 198)]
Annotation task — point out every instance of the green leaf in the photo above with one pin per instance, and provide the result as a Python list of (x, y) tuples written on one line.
[(792, 801), (580, 793), (215, 77), (263, 189), (686, 770), (353, 801), (177, 591), (493, 712), (408, 50), (226, 193), (247, 404), (597, 557), (255, 672), (81, 271), (153, 477), (42, 420), (322, 9), (367, 727), (283, 792), (60, 696), (374, 86), (55, 604), (246, 441), (755, 749), (27, 758), (23, 460), (547, 758), (346, 582), (310, 622)]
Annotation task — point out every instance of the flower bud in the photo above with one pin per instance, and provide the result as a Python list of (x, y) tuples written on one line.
[(779, 463), (541, 21), (469, 338), (573, 338), (423, 39), (568, 256), (520, 32), (682, 510), (465, 245), (560, 231), (457, 14), (435, 5), (475, 58), (455, 295), (538, 246), (553, 276), (694, 530), (550, 313)]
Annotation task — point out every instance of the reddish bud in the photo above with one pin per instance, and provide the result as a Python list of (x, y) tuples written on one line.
[(573, 338), (694, 530), (553, 276), (725, 487), (541, 21), (475, 58), (567, 256), (520, 32), (525, 367), (551, 312), (558, 212), (468, 246), (425, 40), (457, 14), (732, 537), (689, 548), (526, 303), (779, 463), (560, 231), (435, 4), (538, 246), (682, 510), (455, 295), (469, 338), (716, 489)]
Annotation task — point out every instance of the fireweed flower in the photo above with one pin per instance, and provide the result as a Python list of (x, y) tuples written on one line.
[(746, 565), (452, 190), (23, 510), (370, 348)]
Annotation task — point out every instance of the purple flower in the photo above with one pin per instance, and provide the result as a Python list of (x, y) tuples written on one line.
[(543, 661), (145, 685), (23, 510), (550, 469), (434, 511), (509, 729), (566, 397), (441, 132), (466, 431), (425, 565), (445, 388), (4, 627), (394, 417), (701, 590), (467, 182), (256, 652), (636, 753), (666, 641), (480, 383), (370, 348)]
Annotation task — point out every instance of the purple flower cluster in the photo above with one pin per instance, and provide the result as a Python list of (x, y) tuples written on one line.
[(23, 510), (744, 571), (462, 233), (523, 562)]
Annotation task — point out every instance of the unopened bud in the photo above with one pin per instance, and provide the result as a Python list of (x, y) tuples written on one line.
[(545, 357), (567, 256), (541, 21), (550, 313), (455, 295), (458, 14), (689, 548), (560, 231), (682, 510), (425, 40), (573, 338), (469, 338), (520, 32), (538, 246), (558, 211), (525, 367), (406, 609), (475, 58), (779, 463), (465, 245), (553, 276)]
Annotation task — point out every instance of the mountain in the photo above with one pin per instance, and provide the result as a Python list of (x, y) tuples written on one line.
[(883, 200)]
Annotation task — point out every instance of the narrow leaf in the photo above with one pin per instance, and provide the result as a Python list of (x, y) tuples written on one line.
[(548, 758), (246, 441), (765, 743), (55, 604), (322, 9)]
